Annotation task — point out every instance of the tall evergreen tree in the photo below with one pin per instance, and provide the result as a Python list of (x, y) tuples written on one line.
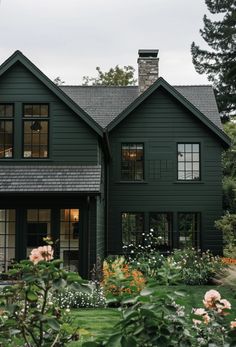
[(220, 62)]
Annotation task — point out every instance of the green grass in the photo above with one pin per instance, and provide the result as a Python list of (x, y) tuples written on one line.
[(98, 322), (93, 323)]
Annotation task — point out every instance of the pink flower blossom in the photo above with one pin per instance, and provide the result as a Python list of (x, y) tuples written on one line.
[(199, 311), (197, 321), (210, 298), (222, 305), (41, 253), (206, 318), (233, 324)]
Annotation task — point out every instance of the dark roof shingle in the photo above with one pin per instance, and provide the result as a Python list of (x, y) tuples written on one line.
[(77, 179), (104, 104)]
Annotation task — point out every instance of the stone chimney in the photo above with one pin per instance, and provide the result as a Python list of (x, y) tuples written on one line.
[(147, 68)]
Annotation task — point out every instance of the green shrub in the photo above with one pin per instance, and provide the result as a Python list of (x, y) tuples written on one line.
[(197, 267), (27, 316), (156, 319), (145, 257), (227, 224), (71, 298)]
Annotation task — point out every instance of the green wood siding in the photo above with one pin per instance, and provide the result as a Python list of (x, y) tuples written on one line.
[(71, 140), (160, 122)]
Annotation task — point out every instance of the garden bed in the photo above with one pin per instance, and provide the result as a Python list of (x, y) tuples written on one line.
[(94, 323)]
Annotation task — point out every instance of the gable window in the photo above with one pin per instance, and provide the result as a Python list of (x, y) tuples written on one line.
[(132, 227), (189, 229), (188, 161), (132, 161), (161, 224), (35, 125), (6, 131)]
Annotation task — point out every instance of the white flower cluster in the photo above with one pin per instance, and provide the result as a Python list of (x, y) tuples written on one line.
[(71, 298)]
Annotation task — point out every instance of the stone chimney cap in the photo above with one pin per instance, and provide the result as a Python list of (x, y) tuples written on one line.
[(148, 53)]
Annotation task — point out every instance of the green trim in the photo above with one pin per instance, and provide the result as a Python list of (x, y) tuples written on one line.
[(162, 83), (17, 56)]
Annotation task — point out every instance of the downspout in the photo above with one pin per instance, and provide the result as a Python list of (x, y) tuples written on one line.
[(88, 235), (106, 189)]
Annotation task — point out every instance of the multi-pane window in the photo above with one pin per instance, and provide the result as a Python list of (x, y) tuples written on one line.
[(7, 238), (38, 227), (6, 131), (35, 125), (161, 224), (188, 161), (132, 227), (189, 229), (69, 238), (132, 161)]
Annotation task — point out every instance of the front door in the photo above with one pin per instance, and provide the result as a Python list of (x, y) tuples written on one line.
[(38, 226)]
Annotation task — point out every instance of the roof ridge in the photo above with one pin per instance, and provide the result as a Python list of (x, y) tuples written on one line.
[(192, 85), (79, 85)]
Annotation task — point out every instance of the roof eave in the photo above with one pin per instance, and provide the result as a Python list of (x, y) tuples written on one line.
[(19, 57), (162, 83)]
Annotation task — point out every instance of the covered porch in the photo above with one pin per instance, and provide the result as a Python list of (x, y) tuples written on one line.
[(60, 202)]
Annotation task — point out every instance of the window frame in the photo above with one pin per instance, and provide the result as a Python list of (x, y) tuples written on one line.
[(127, 143), (192, 162), (198, 215), (141, 232), (170, 231), (30, 119), (9, 119)]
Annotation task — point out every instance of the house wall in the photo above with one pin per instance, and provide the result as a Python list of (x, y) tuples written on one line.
[(160, 122), (71, 141)]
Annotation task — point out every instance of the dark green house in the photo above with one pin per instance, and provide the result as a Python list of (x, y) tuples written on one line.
[(96, 167)]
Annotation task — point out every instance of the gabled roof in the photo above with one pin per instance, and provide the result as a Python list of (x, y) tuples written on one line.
[(50, 179), (19, 57), (104, 104), (186, 103)]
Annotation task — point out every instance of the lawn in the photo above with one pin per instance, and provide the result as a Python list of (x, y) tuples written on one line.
[(96, 322), (93, 323)]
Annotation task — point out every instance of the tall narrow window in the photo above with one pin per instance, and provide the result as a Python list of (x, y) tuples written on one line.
[(132, 161), (69, 238), (132, 228), (188, 161), (6, 131), (35, 123), (189, 229), (161, 224), (7, 238)]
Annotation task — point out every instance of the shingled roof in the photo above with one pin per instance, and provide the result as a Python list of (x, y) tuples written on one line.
[(53, 179), (104, 104)]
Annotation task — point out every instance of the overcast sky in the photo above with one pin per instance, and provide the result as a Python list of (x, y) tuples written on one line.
[(69, 38)]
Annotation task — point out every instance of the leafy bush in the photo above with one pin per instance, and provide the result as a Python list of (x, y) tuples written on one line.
[(197, 267), (187, 266), (120, 280), (157, 319), (71, 298), (145, 257), (227, 224), (26, 313)]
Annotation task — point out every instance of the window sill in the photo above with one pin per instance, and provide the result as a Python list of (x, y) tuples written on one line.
[(132, 182), (188, 182)]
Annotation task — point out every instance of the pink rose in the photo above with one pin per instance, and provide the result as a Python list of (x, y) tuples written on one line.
[(199, 311), (41, 253), (233, 324), (210, 298)]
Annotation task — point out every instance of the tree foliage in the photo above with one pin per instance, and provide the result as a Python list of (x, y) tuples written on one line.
[(116, 76), (220, 62)]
